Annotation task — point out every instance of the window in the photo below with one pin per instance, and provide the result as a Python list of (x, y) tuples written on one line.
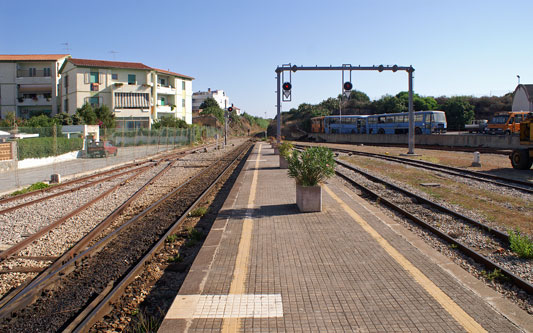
[(65, 105), (93, 77), (183, 85), (46, 71), (131, 79), (163, 82), (183, 102), (65, 81), (162, 100), (32, 72), (94, 101), (114, 76)]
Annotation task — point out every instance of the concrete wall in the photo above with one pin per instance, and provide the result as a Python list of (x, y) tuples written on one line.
[(472, 140)]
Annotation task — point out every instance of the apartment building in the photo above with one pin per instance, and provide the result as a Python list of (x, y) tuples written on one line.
[(218, 95), (136, 93), (29, 84)]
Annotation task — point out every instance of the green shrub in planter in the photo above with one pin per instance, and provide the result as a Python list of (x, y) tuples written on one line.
[(285, 149), (311, 166)]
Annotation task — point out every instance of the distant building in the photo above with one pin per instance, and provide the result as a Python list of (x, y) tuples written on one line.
[(29, 84), (218, 95), (136, 93), (523, 98)]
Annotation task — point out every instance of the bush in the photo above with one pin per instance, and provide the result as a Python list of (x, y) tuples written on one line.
[(31, 188), (521, 244), (285, 149), (44, 147), (312, 166)]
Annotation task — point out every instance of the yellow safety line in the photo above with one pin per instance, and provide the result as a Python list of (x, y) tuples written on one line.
[(447, 303), (243, 254)]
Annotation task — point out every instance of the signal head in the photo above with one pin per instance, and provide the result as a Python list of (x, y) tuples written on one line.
[(347, 86), (287, 86), (230, 109)]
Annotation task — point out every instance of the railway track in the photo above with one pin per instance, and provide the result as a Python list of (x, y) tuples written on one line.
[(37, 250), (485, 245), (519, 185), (59, 295)]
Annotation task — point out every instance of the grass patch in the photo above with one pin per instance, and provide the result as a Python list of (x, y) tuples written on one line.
[(195, 234), (32, 187), (172, 238), (176, 258), (146, 323), (496, 274), (521, 244), (198, 212)]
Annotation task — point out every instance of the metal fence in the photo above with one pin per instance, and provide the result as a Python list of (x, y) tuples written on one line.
[(37, 153)]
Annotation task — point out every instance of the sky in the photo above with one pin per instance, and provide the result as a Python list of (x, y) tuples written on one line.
[(466, 47)]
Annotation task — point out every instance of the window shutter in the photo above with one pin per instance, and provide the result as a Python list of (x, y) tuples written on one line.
[(101, 79), (86, 78), (100, 100)]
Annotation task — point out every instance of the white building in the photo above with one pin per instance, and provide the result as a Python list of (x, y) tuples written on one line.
[(523, 98), (218, 95), (136, 93), (29, 84)]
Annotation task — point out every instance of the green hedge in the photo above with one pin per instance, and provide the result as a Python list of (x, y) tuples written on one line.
[(44, 147)]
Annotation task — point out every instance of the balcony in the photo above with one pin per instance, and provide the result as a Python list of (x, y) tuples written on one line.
[(39, 76), (166, 90), (164, 109), (34, 101)]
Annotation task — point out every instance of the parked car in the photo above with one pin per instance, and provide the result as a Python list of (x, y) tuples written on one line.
[(477, 126), (101, 149)]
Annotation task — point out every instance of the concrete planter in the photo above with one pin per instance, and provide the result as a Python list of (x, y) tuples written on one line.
[(276, 151), (283, 163), (309, 198)]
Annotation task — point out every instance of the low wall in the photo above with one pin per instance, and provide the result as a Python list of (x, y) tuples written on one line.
[(35, 162), (451, 140), (143, 140)]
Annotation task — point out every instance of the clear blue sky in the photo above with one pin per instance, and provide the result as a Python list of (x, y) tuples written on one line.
[(467, 47)]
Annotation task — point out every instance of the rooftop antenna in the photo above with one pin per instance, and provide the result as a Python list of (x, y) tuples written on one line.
[(67, 46), (113, 53), (518, 76)]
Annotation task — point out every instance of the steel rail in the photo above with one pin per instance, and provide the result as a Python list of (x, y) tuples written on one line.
[(26, 295), (465, 249), (25, 204), (67, 183), (102, 304), (496, 233), (19, 292), (164, 155)]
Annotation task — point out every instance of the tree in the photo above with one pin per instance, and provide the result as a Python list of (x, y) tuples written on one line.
[(458, 112), (105, 118), (63, 118), (419, 103), (389, 104), (87, 113), (169, 121), (210, 106)]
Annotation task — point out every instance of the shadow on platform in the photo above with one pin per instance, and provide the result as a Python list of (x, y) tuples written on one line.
[(263, 211)]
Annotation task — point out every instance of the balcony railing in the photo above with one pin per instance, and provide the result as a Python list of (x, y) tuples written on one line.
[(33, 73)]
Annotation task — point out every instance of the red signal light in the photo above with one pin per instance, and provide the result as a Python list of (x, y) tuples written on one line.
[(348, 86), (287, 86), (230, 109)]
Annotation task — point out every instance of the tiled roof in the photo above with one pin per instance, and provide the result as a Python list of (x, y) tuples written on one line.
[(32, 57), (172, 73), (108, 64)]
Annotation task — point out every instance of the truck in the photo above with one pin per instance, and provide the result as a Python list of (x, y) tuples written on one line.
[(522, 158), (101, 149), (506, 122), (477, 126)]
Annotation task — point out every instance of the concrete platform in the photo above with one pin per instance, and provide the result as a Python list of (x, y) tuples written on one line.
[(267, 267)]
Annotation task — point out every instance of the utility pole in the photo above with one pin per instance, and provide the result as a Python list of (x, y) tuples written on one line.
[(225, 124)]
